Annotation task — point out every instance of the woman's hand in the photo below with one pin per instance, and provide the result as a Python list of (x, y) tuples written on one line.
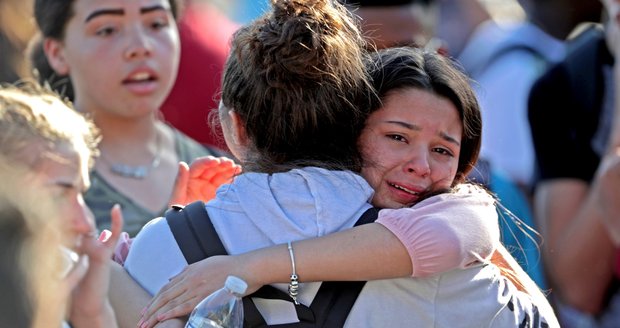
[(200, 180), (197, 281), (90, 306)]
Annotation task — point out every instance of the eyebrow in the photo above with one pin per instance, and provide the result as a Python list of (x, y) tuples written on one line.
[(121, 12), (414, 127)]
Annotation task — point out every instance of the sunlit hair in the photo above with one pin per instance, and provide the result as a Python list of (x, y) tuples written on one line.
[(297, 79), (36, 125), (35, 121), (395, 69)]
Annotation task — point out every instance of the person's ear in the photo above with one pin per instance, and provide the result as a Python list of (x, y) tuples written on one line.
[(239, 134), (55, 53)]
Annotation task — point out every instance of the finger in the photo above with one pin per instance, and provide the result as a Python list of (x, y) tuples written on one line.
[(238, 169), (178, 311), (172, 323), (173, 295), (117, 226), (221, 166), (223, 177), (201, 165), (218, 164), (179, 191), (162, 299), (78, 272), (147, 322)]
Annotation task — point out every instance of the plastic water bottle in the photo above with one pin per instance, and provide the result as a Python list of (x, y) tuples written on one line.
[(222, 309)]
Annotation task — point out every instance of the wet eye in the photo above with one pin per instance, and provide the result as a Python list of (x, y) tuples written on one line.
[(443, 151), (397, 137)]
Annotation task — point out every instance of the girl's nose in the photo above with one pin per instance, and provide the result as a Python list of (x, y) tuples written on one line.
[(138, 45), (418, 165)]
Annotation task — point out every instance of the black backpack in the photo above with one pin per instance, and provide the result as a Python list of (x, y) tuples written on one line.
[(197, 239)]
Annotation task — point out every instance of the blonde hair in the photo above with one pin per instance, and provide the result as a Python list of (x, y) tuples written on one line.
[(33, 115), (34, 123)]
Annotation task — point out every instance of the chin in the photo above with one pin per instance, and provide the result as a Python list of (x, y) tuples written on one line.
[(388, 204)]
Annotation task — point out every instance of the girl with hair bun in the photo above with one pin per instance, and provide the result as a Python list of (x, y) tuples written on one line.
[(286, 123)]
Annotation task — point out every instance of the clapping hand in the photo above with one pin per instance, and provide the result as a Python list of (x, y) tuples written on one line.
[(89, 301), (200, 180)]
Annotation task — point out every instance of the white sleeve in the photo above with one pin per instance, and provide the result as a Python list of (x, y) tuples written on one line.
[(154, 256)]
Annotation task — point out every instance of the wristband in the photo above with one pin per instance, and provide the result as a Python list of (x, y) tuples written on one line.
[(293, 285)]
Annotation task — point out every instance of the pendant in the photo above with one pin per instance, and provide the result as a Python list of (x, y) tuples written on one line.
[(127, 171)]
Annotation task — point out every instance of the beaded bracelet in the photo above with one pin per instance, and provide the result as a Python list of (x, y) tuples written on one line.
[(293, 286)]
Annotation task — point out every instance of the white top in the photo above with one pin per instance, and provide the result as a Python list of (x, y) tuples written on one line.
[(259, 210)]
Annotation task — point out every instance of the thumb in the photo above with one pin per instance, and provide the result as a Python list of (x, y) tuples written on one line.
[(112, 237)]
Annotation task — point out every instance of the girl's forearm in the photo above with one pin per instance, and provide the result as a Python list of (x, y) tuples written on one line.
[(105, 319), (367, 252), (127, 297)]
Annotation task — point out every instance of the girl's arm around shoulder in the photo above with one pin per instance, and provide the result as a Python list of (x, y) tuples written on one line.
[(446, 231)]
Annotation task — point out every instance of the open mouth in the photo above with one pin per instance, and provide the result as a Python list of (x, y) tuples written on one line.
[(140, 77), (414, 193)]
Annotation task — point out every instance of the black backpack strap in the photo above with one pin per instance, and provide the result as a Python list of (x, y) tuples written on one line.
[(193, 231), (335, 299), (369, 216), (253, 318), (331, 305), (583, 64), (197, 238)]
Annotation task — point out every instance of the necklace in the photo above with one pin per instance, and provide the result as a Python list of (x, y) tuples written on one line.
[(135, 171)]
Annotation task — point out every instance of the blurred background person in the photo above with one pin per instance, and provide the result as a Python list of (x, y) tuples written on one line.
[(204, 31), (504, 59), (504, 56), (16, 28), (395, 22), (571, 112)]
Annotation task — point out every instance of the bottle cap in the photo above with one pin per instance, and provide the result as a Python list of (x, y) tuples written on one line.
[(236, 285)]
